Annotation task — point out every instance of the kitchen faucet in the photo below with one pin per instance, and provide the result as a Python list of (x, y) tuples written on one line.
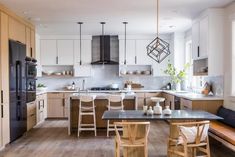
[(83, 84)]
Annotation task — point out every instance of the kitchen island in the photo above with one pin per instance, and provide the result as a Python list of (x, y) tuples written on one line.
[(101, 102)]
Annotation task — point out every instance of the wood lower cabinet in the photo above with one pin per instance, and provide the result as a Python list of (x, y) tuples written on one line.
[(41, 102), (211, 106), (57, 105), (140, 100), (145, 99), (31, 115), (169, 100)]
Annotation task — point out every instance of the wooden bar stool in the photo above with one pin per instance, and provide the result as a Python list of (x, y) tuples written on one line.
[(193, 136), (87, 108), (115, 102), (130, 138)]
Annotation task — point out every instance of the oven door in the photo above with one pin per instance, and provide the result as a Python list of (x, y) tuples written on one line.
[(30, 90), (31, 70)]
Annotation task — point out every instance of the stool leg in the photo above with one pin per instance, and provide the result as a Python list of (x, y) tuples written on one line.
[(79, 121), (108, 128), (94, 115)]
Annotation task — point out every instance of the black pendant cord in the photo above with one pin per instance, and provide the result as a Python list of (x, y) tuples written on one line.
[(125, 23), (80, 40), (102, 23)]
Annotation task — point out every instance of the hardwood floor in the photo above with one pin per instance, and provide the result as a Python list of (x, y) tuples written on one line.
[(50, 139)]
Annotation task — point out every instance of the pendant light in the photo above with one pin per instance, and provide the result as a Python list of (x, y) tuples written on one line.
[(125, 23), (102, 38), (80, 40), (158, 49)]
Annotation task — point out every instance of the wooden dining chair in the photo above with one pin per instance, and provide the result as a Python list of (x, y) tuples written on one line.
[(193, 138), (130, 138)]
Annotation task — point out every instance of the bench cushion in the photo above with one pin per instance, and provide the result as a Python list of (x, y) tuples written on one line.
[(228, 115), (223, 131)]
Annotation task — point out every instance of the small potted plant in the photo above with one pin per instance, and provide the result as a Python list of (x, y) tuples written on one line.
[(41, 87), (176, 75)]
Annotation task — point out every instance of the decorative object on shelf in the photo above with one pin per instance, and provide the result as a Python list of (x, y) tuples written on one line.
[(157, 109), (167, 111), (158, 49), (125, 23), (207, 89), (80, 40), (176, 75)]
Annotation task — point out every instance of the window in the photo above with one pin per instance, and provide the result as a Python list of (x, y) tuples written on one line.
[(188, 59)]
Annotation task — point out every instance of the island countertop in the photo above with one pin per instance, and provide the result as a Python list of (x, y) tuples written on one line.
[(182, 94)]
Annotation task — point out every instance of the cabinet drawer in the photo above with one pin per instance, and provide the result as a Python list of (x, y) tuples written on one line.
[(185, 104), (31, 109), (31, 121), (55, 95)]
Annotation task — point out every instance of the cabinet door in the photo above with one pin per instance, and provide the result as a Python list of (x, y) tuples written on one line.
[(4, 80), (204, 36), (140, 100), (17, 30), (86, 52), (141, 52), (55, 108), (185, 104), (195, 40), (32, 43), (28, 42), (31, 115), (130, 56), (48, 52), (65, 52)]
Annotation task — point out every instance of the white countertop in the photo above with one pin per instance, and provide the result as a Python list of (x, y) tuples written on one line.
[(102, 95), (182, 94)]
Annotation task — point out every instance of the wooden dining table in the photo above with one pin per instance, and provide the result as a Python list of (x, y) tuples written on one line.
[(138, 115)]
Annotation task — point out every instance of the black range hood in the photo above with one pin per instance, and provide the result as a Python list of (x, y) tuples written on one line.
[(106, 45)]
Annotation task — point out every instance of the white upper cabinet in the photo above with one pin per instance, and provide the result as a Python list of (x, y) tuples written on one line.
[(195, 40), (65, 52), (203, 43), (85, 57), (200, 38), (48, 52), (207, 40), (141, 52), (130, 56)]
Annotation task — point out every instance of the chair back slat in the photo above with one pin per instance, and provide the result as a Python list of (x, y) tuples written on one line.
[(87, 98), (115, 102)]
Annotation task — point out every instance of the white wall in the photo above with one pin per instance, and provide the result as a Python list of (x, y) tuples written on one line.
[(229, 17)]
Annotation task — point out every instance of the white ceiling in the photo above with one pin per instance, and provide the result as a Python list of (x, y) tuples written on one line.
[(60, 16)]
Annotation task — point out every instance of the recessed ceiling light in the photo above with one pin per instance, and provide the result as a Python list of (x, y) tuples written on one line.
[(25, 12)]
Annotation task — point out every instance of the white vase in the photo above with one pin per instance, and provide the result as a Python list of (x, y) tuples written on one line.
[(178, 87), (157, 109)]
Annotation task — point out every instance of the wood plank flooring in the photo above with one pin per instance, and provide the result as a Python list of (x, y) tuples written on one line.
[(50, 139)]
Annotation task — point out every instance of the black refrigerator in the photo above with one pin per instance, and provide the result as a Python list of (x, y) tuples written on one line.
[(18, 108)]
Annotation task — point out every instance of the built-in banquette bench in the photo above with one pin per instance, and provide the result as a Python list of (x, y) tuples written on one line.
[(224, 130)]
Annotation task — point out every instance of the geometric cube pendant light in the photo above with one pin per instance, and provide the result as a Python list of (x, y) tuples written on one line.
[(158, 49)]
